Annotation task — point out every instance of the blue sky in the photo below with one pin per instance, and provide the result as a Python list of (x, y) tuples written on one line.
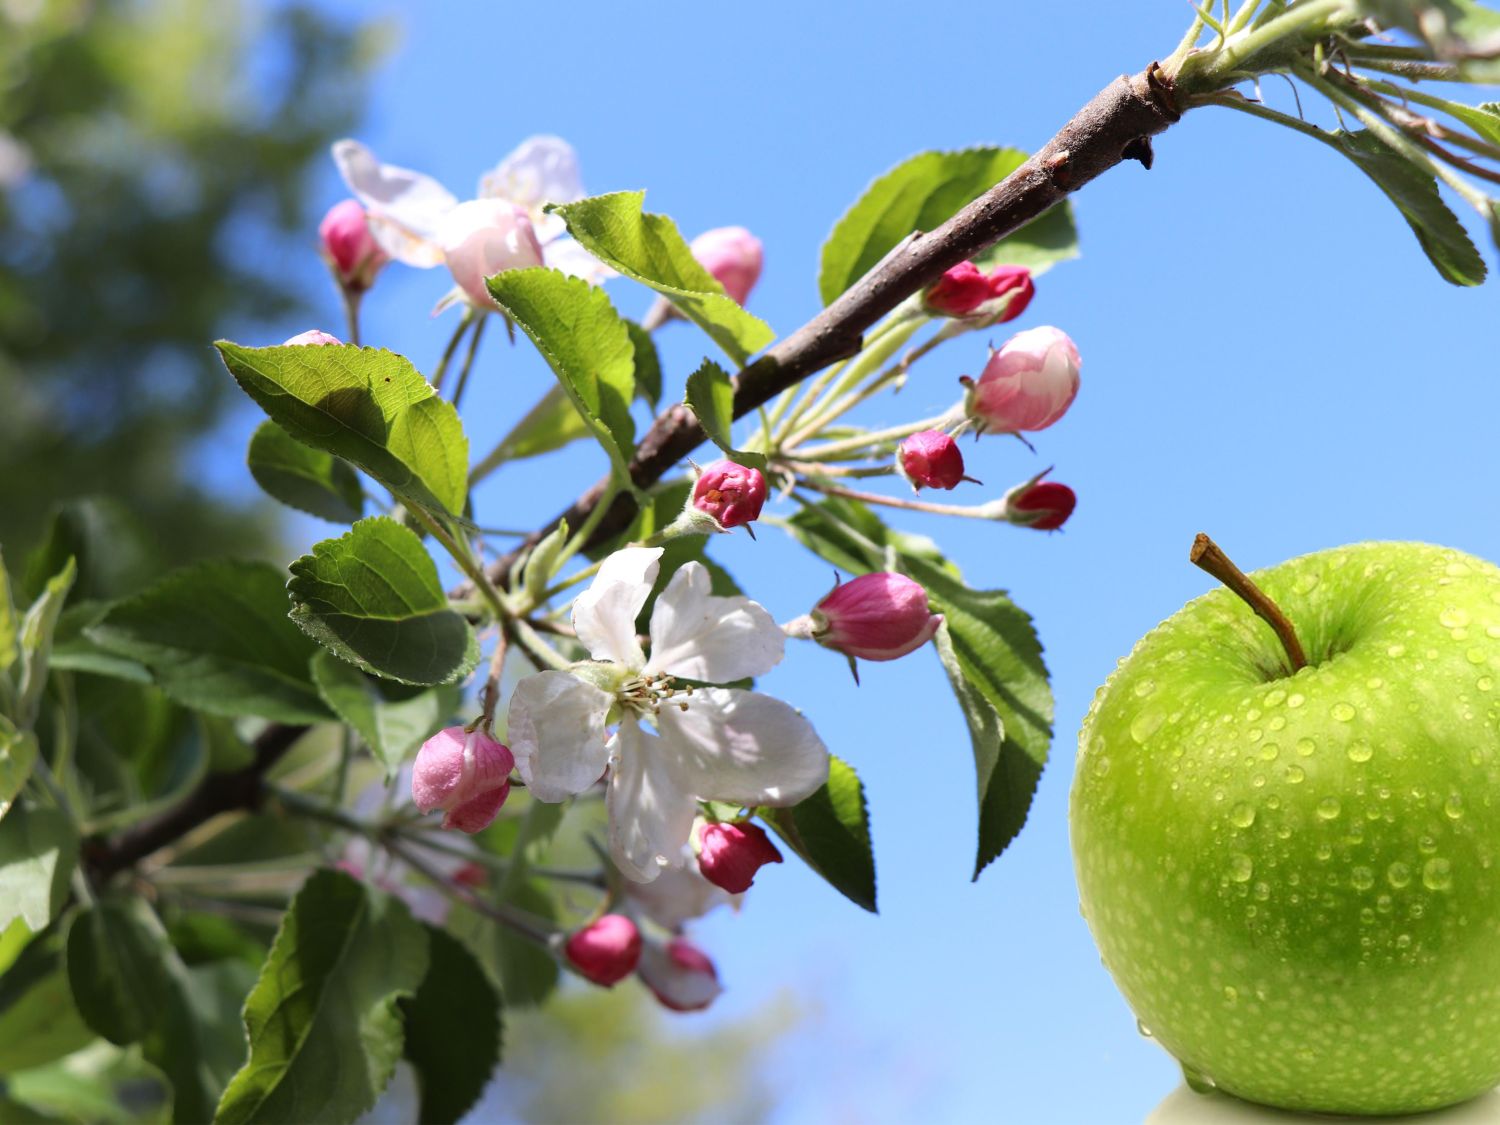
[(1267, 356)]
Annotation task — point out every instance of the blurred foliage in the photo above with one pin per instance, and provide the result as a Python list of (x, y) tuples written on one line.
[(154, 157)]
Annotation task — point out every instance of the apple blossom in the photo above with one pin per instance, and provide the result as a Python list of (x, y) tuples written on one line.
[(464, 773), (874, 617), (1044, 505), (722, 744), (733, 256), (349, 247), (679, 974), (312, 336), (967, 291), (605, 951), (1028, 384), (730, 854), (483, 237), (678, 894), (730, 494), (931, 459)]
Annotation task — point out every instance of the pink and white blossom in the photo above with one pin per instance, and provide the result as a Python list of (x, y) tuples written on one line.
[(733, 256), (732, 495), (873, 617), (679, 974), (349, 247), (1043, 505), (606, 951), (484, 237), (313, 337), (931, 459), (1028, 384), (464, 773), (966, 291), (730, 854)]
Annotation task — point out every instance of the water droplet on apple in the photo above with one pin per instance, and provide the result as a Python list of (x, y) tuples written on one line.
[(1145, 688), (1254, 736), (1374, 683), (1270, 752), (1360, 751), (1276, 696), (1329, 808), (1241, 867), (1277, 722), (1493, 632), (1242, 815), (1476, 655), (1361, 878), (1403, 941), (1198, 1082), (1295, 775), (1144, 725), (1426, 845), (1453, 807), (1484, 683), (1306, 746), (1453, 618), (1143, 1029), (1305, 582), (1437, 874), (1343, 712), (1457, 569), (1101, 766), (1325, 851), (1296, 699), (1396, 650), (1231, 994)]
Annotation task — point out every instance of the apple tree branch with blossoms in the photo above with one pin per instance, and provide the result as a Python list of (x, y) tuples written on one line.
[(622, 765)]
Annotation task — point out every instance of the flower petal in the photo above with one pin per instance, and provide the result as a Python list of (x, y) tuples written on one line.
[(702, 637), (678, 894), (538, 171), (571, 258), (556, 732), (605, 613), (650, 817), (744, 748), (405, 207)]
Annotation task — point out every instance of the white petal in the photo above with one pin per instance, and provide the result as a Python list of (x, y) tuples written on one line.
[(538, 171), (650, 817), (405, 207), (572, 259), (679, 893), (605, 613), (744, 748), (703, 637), (556, 731)]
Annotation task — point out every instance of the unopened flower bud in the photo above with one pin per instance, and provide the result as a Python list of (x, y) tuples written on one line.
[(311, 336), (874, 617), (966, 291), (348, 246), (733, 256), (680, 975), (729, 855), (606, 952), (931, 459), (1041, 504), (1027, 385), (732, 494), (464, 773), (484, 237)]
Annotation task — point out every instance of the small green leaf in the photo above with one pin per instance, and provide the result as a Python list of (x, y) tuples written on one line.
[(372, 597), (831, 831), (1415, 194), (74, 651), (452, 1030), (113, 551), (551, 424), (368, 406), (10, 631), (18, 750), (36, 642), (217, 638), (649, 249), (541, 563), (710, 395), (38, 1020), (392, 719), (921, 193), (303, 477), (38, 850), (587, 345), (647, 364), (324, 1020)]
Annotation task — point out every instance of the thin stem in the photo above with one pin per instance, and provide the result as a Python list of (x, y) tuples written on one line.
[(346, 755), (578, 539), (1207, 556), (352, 301), (491, 694), (299, 804), (463, 373), (537, 650), (453, 341), (1296, 19), (569, 582), (524, 924), (433, 840), (836, 449), (979, 512), (884, 341), (1235, 101), (466, 563)]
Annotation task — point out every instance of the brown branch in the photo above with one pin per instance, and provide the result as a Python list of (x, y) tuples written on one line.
[(1116, 125)]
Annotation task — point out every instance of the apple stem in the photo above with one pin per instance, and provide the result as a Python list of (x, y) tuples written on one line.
[(1208, 556)]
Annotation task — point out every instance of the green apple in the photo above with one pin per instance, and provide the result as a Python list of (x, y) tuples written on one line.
[(1293, 877)]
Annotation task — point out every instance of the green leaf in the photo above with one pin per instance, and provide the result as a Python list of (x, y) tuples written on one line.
[(921, 193), (368, 406), (100, 1085), (710, 395), (372, 597), (38, 1020), (831, 831), (217, 638), (18, 750), (323, 1019), (587, 345), (1415, 194), (303, 477), (38, 850), (10, 630), (105, 540), (74, 651), (392, 719), (541, 563), (452, 1030), (551, 424), (36, 642), (647, 364), (649, 249), (528, 973)]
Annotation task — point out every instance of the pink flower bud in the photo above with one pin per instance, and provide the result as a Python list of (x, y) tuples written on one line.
[(311, 336), (875, 617), (1041, 504), (484, 237), (729, 855), (607, 951), (733, 255), (679, 974), (348, 246), (732, 494), (931, 459), (966, 291), (1027, 385), (464, 773)]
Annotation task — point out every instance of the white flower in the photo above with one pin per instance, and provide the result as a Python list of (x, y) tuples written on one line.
[(407, 209), (720, 744), (678, 894)]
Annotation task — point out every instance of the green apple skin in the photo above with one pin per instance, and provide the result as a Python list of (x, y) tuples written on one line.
[(1293, 878)]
